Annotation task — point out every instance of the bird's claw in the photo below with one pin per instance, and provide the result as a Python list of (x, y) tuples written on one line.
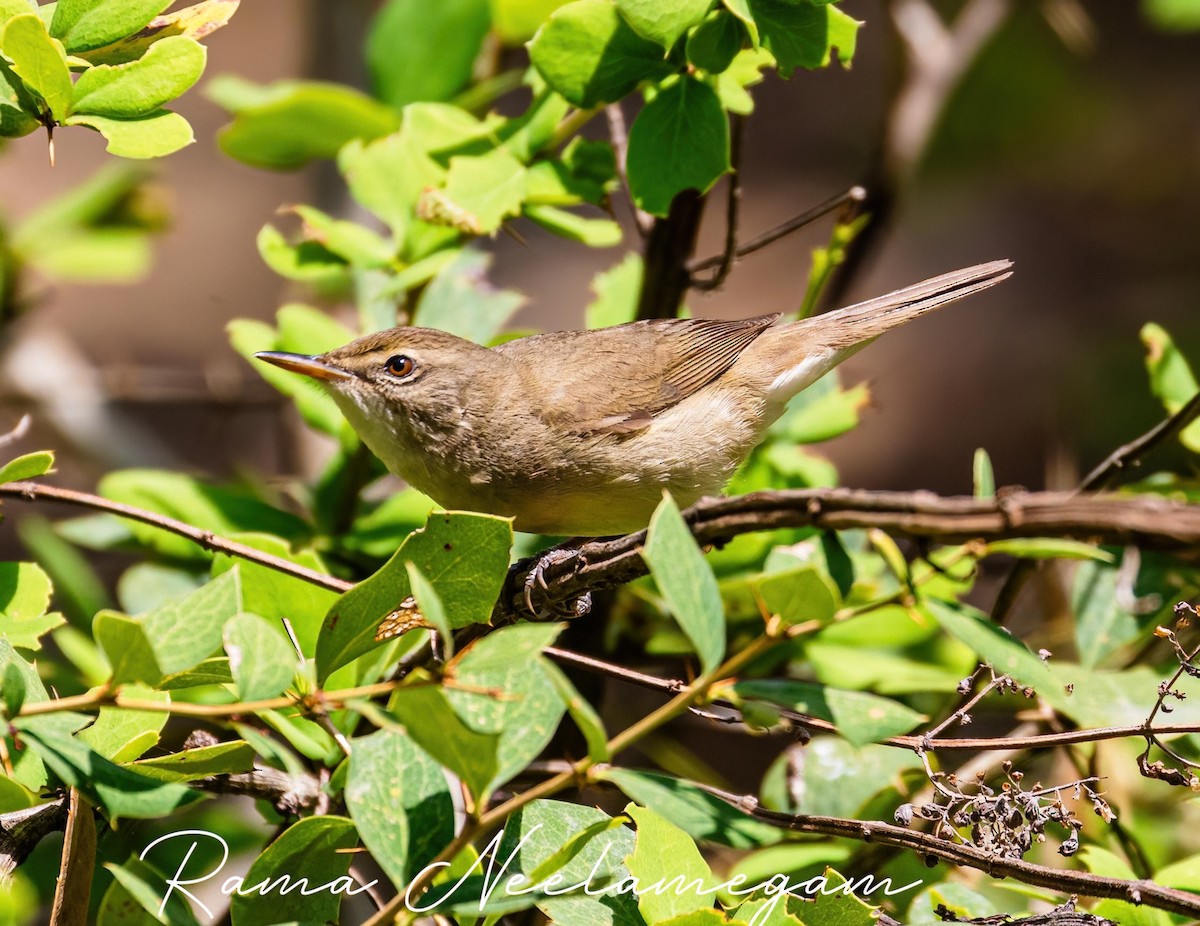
[(537, 577)]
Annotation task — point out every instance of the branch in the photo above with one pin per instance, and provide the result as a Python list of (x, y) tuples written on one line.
[(1147, 521), (1066, 881), (34, 491), (668, 246), (733, 203), (22, 830)]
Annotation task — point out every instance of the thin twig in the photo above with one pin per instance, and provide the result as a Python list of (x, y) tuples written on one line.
[(619, 137), (1129, 455), (854, 195), (1057, 879), (733, 202)]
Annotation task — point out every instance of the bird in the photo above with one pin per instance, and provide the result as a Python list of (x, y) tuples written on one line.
[(579, 433)]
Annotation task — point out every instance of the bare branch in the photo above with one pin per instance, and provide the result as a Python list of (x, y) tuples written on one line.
[(1129, 455), (733, 202)]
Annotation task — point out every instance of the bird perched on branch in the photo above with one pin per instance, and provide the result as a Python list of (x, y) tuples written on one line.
[(579, 432)]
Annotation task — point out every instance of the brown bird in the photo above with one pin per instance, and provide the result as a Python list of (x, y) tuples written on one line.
[(579, 432)]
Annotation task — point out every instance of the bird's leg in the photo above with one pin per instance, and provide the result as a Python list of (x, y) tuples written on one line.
[(537, 577)]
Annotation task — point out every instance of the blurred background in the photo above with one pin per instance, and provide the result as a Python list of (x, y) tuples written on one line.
[(1072, 146)]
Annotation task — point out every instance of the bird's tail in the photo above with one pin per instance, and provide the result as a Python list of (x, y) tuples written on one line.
[(855, 325)]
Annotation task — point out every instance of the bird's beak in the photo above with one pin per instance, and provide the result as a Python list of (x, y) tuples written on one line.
[(302, 363)]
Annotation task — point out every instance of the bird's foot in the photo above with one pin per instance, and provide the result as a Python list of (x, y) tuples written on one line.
[(536, 578)]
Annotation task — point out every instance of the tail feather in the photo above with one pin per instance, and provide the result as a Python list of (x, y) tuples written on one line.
[(857, 324)]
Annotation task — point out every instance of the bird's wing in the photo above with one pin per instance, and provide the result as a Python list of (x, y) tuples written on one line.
[(633, 372)]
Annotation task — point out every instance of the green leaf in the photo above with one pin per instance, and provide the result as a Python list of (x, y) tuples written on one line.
[(176, 495), (1104, 863), (860, 717), (692, 809), (745, 71), (581, 711), (595, 233), (194, 22), (314, 848), (515, 21), (716, 42), (616, 291), (202, 762), (172, 638), (424, 51), (398, 797), (39, 61), (804, 34), (165, 72), (275, 596), (1102, 626), (121, 792), (590, 55), (686, 582), (983, 478), (261, 658), (135, 896), (679, 141), (354, 243), (997, 647), (82, 25), (797, 596), (521, 703), (434, 725), (822, 412), (24, 599), (29, 466), (1171, 378), (287, 124), (1047, 548), (1173, 15), (464, 556), (123, 735), (154, 135), (663, 21), (480, 193), (838, 779), (665, 852), (462, 301)]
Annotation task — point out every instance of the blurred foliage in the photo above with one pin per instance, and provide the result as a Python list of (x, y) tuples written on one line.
[(109, 65), (870, 637)]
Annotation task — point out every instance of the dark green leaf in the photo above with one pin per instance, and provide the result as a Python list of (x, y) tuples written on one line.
[(399, 799), (581, 711), (679, 141), (692, 809), (314, 848), (804, 34), (860, 717), (135, 898), (424, 51), (686, 582), (121, 792), (716, 42), (1102, 625), (465, 558), (590, 55), (123, 735)]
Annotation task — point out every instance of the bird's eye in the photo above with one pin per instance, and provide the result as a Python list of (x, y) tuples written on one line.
[(400, 365)]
